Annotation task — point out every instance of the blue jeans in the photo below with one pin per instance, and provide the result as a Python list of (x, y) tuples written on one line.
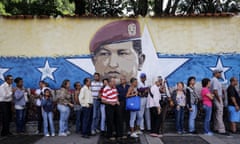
[(192, 117), (87, 113), (20, 120), (179, 114), (208, 114), (78, 120), (64, 115), (103, 118), (96, 114), (48, 117)]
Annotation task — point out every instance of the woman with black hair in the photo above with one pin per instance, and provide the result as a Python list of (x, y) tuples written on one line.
[(64, 104), (192, 101)]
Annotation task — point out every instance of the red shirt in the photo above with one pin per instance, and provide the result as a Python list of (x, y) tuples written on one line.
[(110, 94)]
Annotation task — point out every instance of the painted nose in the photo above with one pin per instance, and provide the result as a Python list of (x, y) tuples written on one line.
[(113, 63)]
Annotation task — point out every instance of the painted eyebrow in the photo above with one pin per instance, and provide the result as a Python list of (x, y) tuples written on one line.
[(104, 50)]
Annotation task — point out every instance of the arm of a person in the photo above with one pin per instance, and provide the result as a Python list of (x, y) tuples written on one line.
[(18, 94), (81, 97), (215, 92), (235, 102), (188, 96), (156, 96), (211, 96), (76, 99)]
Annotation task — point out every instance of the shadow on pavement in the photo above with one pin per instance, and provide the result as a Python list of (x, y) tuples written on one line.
[(20, 139)]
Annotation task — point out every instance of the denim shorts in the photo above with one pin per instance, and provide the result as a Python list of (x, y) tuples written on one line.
[(234, 116)]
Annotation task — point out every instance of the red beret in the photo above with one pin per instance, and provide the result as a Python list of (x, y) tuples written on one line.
[(116, 31)]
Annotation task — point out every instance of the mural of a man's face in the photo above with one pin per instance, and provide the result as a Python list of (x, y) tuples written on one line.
[(118, 59)]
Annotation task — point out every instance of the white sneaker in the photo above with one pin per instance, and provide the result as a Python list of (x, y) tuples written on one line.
[(139, 132), (47, 135), (93, 132), (68, 132), (134, 135), (62, 134), (53, 134)]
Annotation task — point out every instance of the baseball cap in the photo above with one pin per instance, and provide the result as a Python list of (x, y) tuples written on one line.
[(217, 71), (142, 75)]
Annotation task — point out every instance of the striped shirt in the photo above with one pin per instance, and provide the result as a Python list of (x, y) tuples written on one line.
[(110, 94), (96, 87)]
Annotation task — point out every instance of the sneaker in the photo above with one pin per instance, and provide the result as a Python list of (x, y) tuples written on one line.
[(98, 131), (68, 132), (179, 132), (226, 134), (134, 135), (53, 134), (208, 134), (62, 134), (112, 138), (47, 135), (93, 132), (139, 132)]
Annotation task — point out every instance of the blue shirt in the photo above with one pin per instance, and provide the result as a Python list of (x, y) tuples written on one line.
[(47, 104), (122, 92)]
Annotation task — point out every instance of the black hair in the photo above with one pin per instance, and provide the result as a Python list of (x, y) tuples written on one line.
[(75, 84), (132, 80), (232, 79), (105, 79), (189, 79), (86, 80), (17, 80), (96, 73), (42, 81), (181, 83), (7, 77), (205, 82), (47, 90), (64, 83)]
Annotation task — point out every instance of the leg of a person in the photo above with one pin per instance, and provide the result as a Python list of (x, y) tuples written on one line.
[(153, 120), (140, 118), (192, 117), (208, 113), (51, 123), (78, 115), (18, 120), (110, 120), (90, 119), (103, 117), (39, 118), (119, 120), (45, 122), (177, 119), (127, 120), (86, 117), (97, 122), (62, 111), (22, 120), (218, 124), (232, 118), (147, 118), (133, 115), (182, 118), (95, 114), (158, 123), (66, 118), (163, 117), (5, 119)]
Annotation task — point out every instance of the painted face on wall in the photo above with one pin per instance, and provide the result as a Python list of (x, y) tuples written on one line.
[(117, 59)]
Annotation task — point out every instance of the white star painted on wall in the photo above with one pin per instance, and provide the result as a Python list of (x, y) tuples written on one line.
[(221, 67), (2, 71), (47, 71), (153, 65)]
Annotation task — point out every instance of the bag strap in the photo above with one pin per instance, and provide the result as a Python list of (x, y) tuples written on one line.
[(150, 93)]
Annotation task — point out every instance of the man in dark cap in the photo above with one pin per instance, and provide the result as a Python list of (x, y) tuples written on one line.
[(217, 90), (117, 50)]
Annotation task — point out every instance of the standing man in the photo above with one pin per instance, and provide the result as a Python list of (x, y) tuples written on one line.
[(86, 101), (6, 96), (96, 86), (110, 98), (217, 90), (122, 92), (233, 104), (143, 90)]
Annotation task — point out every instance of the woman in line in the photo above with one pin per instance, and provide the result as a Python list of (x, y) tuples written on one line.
[(153, 102), (47, 106), (132, 91), (207, 98), (64, 104), (179, 99)]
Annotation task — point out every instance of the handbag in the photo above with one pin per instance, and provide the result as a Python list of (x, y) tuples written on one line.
[(133, 103)]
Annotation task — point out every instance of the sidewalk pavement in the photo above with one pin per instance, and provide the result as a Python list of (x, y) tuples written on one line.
[(169, 138)]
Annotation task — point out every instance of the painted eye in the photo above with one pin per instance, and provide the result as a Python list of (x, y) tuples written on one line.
[(104, 54)]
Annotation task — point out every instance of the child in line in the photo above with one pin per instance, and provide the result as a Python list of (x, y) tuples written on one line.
[(47, 106)]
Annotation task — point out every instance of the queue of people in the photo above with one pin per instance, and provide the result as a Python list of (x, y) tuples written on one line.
[(100, 106)]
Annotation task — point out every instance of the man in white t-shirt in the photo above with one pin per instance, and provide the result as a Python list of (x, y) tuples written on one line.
[(96, 86)]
